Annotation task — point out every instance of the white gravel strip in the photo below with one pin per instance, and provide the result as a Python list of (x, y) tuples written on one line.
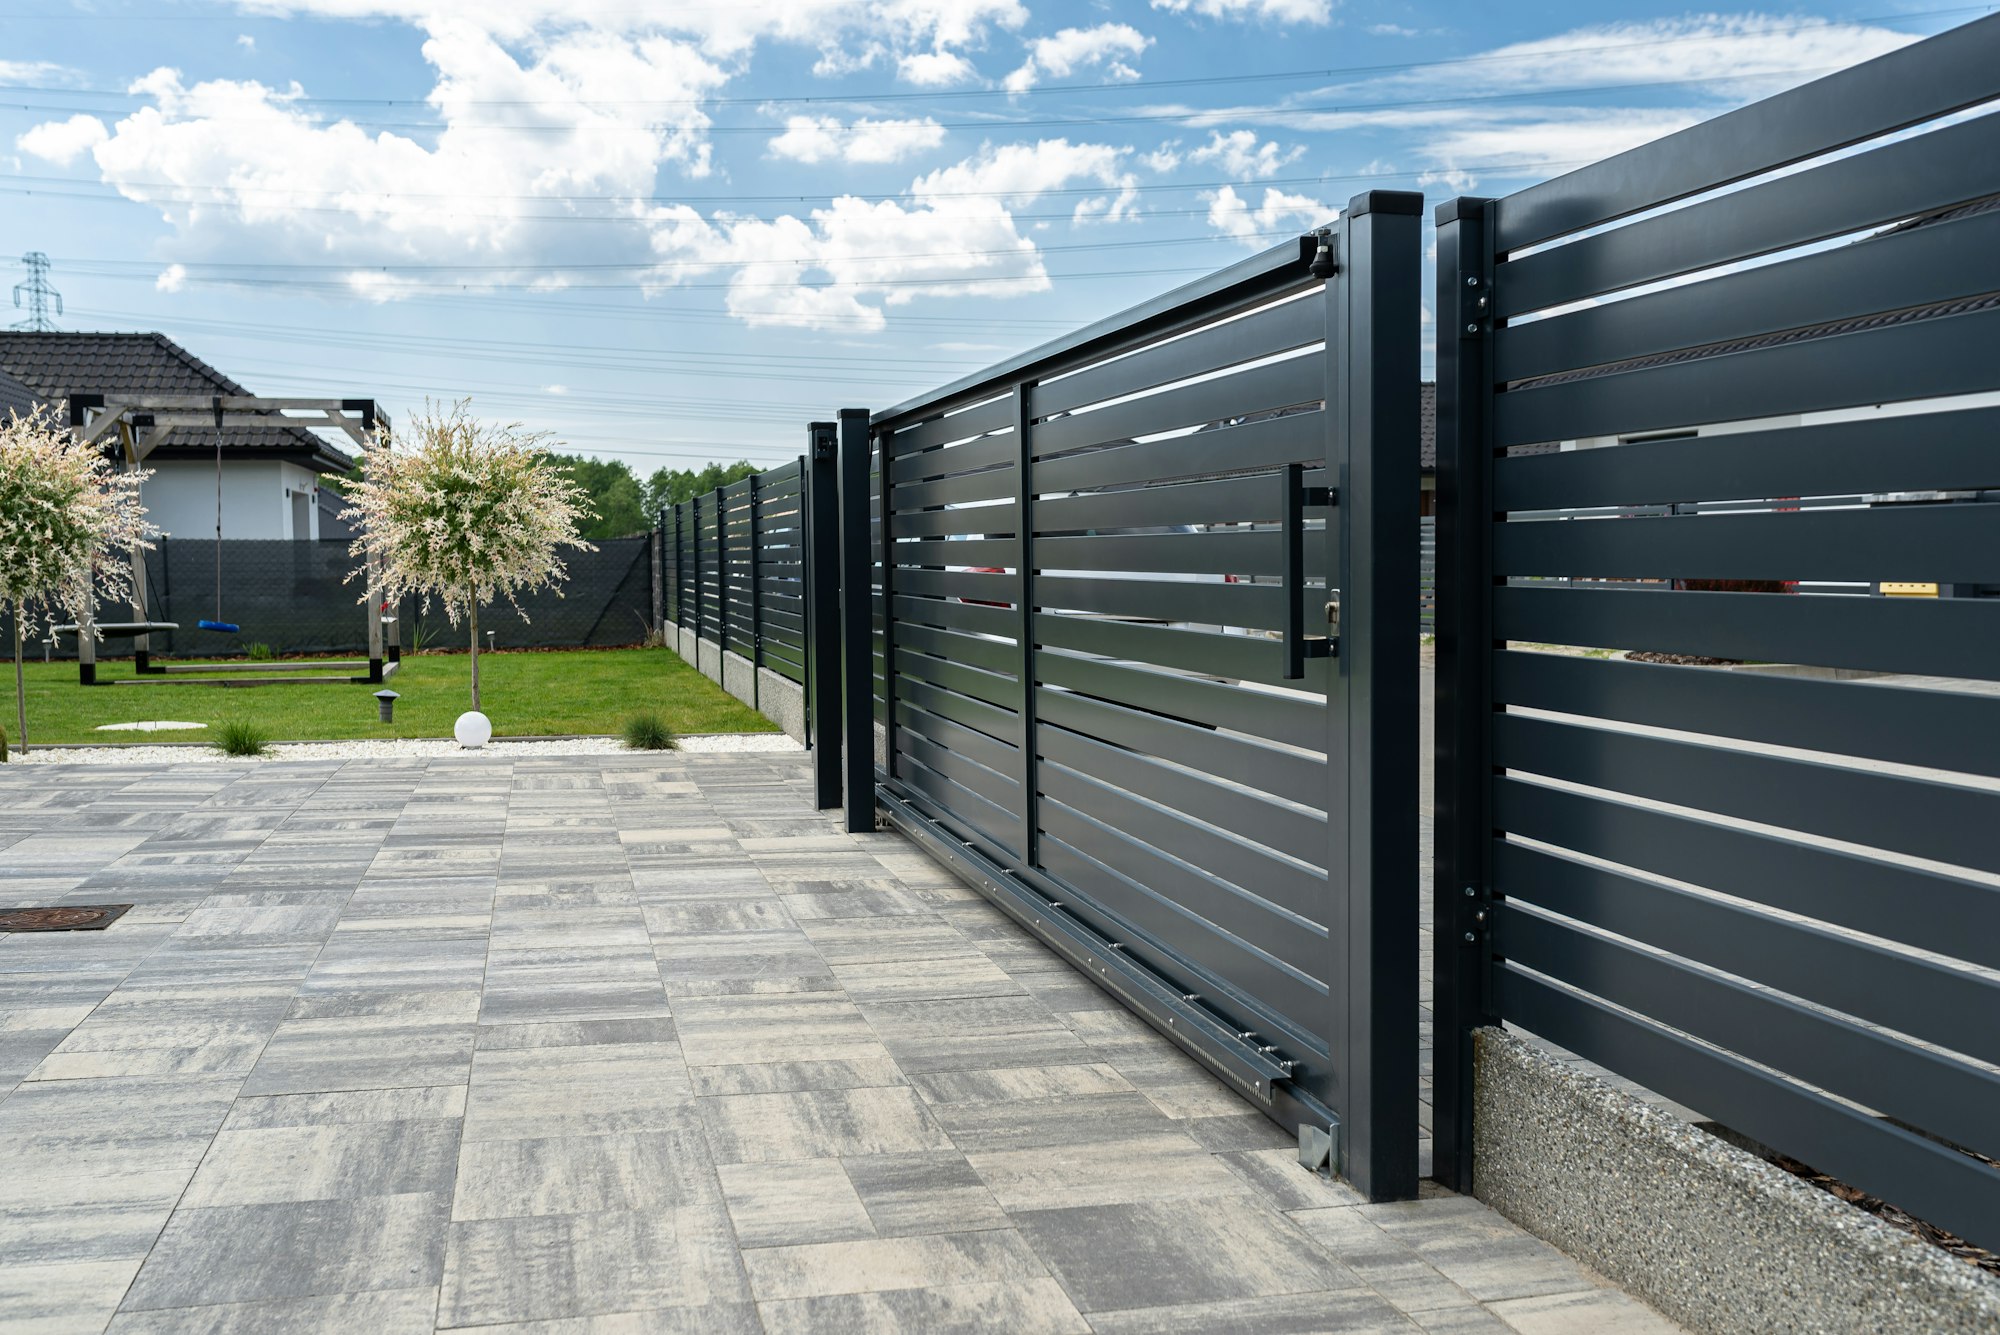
[(706, 743)]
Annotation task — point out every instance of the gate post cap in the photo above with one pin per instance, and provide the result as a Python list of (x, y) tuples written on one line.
[(1402, 203)]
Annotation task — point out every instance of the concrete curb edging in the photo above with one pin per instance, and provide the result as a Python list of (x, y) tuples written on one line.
[(1712, 1236)]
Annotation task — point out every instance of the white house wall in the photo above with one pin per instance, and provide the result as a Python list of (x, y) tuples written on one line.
[(256, 500)]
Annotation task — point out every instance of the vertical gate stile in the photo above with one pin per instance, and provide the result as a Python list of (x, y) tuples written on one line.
[(856, 632), (1024, 533), (1463, 684), (820, 497), (1376, 378)]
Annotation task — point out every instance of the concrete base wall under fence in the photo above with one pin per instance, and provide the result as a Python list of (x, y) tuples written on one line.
[(783, 701), (739, 677), (1714, 1237), (684, 642), (708, 660)]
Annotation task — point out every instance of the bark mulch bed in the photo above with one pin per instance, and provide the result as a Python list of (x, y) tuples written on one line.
[(1681, 660)]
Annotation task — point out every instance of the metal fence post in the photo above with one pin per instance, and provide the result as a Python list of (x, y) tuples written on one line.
[(1024, 603), (659, 572), (756, 595), (1463, 688), (721, 579), (821, 501), (856, 631), (1372, 708), (694, 516)]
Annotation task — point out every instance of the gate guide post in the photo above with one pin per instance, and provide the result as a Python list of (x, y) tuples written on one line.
[(822, 567), (857, 667), (1372, 308)]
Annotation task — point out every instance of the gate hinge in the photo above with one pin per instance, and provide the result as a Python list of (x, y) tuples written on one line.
[(1475, 307)]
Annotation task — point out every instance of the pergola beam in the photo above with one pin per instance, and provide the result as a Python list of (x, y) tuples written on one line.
[(97, 415)]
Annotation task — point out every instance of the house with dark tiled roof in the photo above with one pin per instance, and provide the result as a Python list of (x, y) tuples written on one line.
[(270, 475), (15, 397)]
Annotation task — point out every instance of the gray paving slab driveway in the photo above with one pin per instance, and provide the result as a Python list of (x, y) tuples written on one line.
[(609, 1044)]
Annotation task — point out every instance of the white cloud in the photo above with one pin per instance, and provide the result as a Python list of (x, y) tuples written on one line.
[(1390, 30), (61, 142), (1718, 62), (927, 40), (1277, 11), (38, 72), (1231, 215), (824, 138), (172, 279), (935, 69), (1239, 154), (557, 390), (520, 143), (1714, 49), (952, 235), (246, 41), (1072, 49), (1164, 158)]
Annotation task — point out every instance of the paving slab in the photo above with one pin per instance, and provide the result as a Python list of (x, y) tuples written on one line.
[(623, 1045)]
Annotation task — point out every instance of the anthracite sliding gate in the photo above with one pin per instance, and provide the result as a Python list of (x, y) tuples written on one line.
[(1770, 895), (1111, 691)]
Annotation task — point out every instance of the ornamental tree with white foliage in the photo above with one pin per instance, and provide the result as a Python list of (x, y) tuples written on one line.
[(461, 512), (68, 522)]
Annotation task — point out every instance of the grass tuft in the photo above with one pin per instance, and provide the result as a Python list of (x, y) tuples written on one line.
[(238, 738), (260, 653), (649, 732)]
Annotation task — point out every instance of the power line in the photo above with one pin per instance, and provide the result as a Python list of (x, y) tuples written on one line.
[(225, 193), (311, 285), (151, 267)]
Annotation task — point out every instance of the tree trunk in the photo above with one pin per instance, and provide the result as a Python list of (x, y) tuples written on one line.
[(20, 689), (475, 657)]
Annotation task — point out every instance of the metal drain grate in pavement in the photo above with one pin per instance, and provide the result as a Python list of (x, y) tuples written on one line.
[(62, 918)]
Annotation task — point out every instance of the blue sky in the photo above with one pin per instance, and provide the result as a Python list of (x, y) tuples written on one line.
[(671, 233)]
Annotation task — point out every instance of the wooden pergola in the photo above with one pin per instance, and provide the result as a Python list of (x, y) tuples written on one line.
[(141, 423)]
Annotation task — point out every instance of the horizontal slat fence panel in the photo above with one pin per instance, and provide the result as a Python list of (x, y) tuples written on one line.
[(735, 568), (1724, 814)]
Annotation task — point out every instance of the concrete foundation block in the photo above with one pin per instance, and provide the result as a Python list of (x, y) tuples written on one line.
[(1714, 1237), (739, 677), (783, 701)]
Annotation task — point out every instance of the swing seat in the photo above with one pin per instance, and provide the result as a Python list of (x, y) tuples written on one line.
[(227, 627)]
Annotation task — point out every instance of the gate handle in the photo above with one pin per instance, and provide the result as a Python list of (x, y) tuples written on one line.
[(1295, 497)]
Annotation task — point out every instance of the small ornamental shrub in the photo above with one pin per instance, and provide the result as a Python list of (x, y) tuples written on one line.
[(68, 523), (237, 738), (649, 732), (461, 511)]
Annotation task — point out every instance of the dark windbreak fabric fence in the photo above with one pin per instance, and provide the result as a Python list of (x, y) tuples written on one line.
[(1769, 895), (1114, 573), (734, 568)]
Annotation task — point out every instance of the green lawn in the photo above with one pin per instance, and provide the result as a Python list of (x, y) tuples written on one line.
[(525, 694)]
